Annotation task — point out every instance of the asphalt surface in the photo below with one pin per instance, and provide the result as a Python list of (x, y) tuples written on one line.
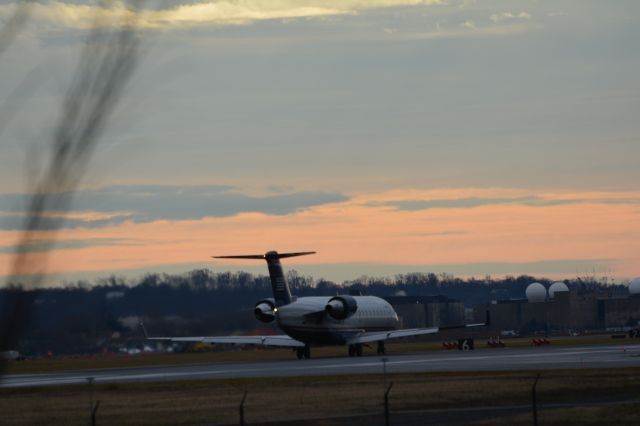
[(499, 359)]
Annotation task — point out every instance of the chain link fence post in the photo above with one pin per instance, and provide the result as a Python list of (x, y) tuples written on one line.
[(241, 408), (534, 402), (386, 404)]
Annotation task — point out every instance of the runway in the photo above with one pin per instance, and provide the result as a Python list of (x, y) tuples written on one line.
[(534, 358)]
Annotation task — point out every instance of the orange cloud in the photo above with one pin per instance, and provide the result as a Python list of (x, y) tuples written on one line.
[(364, 229)]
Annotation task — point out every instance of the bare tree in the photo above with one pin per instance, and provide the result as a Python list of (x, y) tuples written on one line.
[(106, 64)]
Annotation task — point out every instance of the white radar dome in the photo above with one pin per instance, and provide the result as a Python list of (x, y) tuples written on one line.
[(536, 293), (556, 287), (634, 286)]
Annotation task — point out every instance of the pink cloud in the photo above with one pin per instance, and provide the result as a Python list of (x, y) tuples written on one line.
[(364, 229)]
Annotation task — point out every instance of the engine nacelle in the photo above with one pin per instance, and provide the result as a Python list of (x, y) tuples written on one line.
[(265, 310), (341, 307)]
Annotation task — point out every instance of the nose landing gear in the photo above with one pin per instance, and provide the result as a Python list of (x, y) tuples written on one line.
[(304, 352)]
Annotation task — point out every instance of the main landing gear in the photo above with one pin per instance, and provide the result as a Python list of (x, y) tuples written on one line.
[(303, 352), (355, 350)]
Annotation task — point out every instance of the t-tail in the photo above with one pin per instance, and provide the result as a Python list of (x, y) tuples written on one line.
[(281, 291)]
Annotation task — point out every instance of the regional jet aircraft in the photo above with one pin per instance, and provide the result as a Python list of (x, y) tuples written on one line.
[(317, 321)]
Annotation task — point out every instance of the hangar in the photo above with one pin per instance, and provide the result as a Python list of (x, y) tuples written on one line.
[(561, 309), (427, 311)]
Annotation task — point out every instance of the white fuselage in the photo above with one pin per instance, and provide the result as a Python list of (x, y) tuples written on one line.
[(372, 314)]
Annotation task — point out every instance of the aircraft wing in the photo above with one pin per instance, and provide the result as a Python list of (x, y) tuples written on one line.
[(280, 340), (377, 336)]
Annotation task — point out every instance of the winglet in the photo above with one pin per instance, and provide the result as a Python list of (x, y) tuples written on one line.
[(144, 330), (266, 256)]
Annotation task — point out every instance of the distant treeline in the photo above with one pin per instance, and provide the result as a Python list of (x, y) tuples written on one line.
[(89, 316)]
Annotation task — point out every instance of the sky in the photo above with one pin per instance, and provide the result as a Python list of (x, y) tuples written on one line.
[(390, 136)]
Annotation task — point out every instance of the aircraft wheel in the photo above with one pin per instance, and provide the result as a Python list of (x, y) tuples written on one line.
[(381, 349), (352, 350), (359, 350), (299, 352), (307, 352)]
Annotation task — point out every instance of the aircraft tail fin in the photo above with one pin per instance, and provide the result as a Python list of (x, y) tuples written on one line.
[(281, 291)]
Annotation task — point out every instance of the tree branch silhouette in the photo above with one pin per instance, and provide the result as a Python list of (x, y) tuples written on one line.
[(106, 64), (14, 24)]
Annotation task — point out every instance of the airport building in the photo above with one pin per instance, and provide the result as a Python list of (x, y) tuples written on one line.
[(427, 311), (561, 309)]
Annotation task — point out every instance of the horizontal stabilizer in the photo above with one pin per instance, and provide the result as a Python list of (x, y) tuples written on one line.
[(249, 256), (302, 253), (264, 256), (279, 286)]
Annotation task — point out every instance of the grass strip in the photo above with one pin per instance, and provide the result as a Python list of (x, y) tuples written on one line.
[(290, 398)]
